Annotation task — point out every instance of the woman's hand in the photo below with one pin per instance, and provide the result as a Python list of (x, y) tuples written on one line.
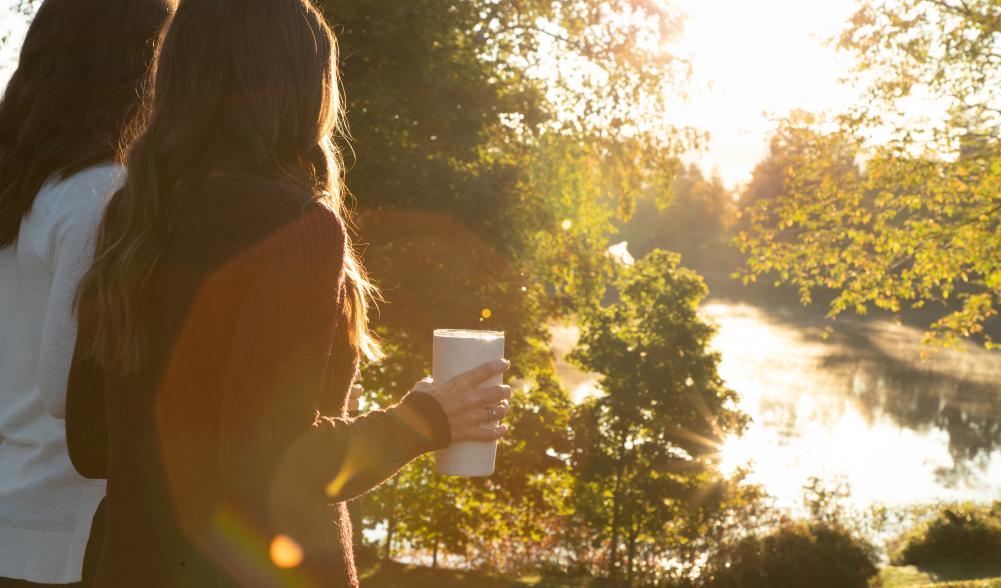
[(469, 407), (356, 392)]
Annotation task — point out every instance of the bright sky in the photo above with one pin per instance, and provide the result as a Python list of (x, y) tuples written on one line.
[(13, 25), (755, 61)]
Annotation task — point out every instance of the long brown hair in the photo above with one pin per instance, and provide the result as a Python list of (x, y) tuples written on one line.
[(73, 95), (242, 88)]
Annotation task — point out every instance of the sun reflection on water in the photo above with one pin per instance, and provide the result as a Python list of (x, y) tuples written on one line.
[(860, 407), (857, 410)]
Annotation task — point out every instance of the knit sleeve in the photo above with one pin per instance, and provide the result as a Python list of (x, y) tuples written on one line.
[(272, 435)]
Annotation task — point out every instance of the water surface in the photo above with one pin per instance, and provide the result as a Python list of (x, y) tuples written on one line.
[(861, 408)]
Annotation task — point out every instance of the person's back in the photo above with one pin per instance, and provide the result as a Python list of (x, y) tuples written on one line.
[(222, 323), (192, 486), (64, 112), (45, 505)]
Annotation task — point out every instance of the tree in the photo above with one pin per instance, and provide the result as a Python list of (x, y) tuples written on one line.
[(492, 144), (501, 118), (919, 225), (796, 140), (505, 522), (646, 448), (693, 218), (818, 554), (529, 496), (434, 518)]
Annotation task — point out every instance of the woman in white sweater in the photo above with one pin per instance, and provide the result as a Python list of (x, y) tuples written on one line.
[(63, 115)]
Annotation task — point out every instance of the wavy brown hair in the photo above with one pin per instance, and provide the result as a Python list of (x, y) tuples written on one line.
[(242, 88), (73, 95)]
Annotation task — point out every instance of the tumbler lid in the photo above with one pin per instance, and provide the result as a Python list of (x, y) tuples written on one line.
[(468, 334)]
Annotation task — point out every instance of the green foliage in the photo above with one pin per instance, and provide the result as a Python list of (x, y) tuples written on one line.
[(826, 502), (906, 232), (572, 221), (943, 48), (692, 218), (818, 555), (796, 140), (646, 448), (493, 142), (964, 533), (470, 155), (909, 222)]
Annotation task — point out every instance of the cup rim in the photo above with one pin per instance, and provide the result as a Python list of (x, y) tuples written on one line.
[(468, 334)]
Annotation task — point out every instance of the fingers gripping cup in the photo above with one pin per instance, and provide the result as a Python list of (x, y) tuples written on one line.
[(456, 352)]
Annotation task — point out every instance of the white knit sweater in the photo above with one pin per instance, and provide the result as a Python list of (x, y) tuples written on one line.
[(46, 508)]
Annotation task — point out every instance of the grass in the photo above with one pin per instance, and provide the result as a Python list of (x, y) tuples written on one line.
[(943, 576), (394, 575), (384, 574)]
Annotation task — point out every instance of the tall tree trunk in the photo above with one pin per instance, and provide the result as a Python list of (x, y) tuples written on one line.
[(529, 551), (434, 554), (613, 568), (631, 554), (614, 546), (390, 521)]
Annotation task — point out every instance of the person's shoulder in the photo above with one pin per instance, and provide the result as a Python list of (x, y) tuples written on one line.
[(270, 211), (99, 181), (78, 196), (73, 205)]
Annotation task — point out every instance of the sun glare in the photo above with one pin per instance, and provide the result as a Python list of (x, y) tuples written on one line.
[(753, 62), (734, 454)]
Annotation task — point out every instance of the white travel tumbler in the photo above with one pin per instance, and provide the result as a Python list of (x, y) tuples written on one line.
[(456, 352)]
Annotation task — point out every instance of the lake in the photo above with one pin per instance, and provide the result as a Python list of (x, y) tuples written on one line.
[(861, 408)]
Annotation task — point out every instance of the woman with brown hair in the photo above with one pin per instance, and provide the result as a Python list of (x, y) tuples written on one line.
[(224, 318), (63, 115)]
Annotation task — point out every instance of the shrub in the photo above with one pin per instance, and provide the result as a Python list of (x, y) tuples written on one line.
[(819, 555), (965, 533)]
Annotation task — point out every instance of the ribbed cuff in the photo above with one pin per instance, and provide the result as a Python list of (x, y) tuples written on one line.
[(433, 417)]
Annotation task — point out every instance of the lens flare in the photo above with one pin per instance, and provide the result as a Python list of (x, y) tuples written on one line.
[(285, 552)]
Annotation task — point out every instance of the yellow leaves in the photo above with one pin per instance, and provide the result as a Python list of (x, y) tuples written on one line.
[(910, 226), (993, 281)]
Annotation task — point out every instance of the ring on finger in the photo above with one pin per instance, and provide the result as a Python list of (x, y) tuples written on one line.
[(491, 414)]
